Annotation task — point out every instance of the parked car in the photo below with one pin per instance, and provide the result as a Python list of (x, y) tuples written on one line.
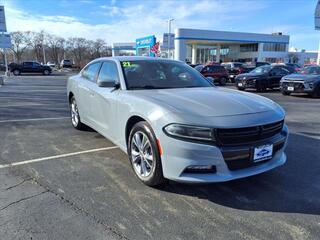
[(263, 77), (165, 116), (306, 81), (259, 64), (217, 72), (29, 67), (66, 63), (236, 68), (51, 64), (199, 67), (194, 65), (295, 66)]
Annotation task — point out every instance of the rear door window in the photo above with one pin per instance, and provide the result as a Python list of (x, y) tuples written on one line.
[(91, 71)]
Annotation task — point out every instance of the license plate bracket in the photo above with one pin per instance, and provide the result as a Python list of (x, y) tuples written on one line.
[(263, 152)]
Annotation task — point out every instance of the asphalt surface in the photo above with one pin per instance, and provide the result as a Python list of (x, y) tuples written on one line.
[(95, 195)]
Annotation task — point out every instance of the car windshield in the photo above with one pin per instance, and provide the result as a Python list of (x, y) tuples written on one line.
[(311, 70), (144, 74), (261, 70)]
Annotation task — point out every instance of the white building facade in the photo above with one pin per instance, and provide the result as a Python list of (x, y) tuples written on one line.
[(202, 46)]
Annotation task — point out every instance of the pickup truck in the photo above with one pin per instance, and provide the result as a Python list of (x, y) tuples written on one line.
[(29, 67)]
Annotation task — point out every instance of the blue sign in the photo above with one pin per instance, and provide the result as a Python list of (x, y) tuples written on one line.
[(144, 45)]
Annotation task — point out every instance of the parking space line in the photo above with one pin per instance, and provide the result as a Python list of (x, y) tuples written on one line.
[(32, 119), (55, 157)]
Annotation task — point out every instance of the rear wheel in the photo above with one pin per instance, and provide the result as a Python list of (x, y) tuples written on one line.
[(223, 81), (144, 155), (75, 116), (46, 72), (16, 72)]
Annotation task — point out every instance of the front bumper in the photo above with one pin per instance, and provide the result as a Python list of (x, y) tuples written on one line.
[(248, 83), (178, 155), (296, 87)]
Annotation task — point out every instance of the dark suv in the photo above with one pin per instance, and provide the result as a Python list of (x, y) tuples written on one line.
[(29, 67), (236, 68), (263, 77), (307, 81), (217, 72)]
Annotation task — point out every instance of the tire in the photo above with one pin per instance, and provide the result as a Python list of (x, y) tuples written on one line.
[(285, 93), (316, 93), (144, 155), (223, 81), (75, 116), (240, 88), (16, 72), (46, 72), (261, 89)]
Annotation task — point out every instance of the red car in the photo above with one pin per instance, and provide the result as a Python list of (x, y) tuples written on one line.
[(217, 72)]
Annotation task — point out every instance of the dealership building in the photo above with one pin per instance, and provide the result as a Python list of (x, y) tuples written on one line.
[(202, 46)]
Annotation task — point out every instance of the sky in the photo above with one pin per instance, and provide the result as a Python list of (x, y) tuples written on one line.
[(126, 20)]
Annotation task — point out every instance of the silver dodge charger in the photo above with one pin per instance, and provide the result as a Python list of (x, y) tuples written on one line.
[(174, 123)]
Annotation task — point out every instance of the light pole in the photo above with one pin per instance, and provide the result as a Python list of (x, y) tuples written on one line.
[(169, 37)]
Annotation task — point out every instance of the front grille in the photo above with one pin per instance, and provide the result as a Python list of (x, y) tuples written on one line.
[(296, 85), (236, 136), (237, 160)]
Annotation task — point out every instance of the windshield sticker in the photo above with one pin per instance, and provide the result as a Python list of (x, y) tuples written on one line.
[(126, 64)]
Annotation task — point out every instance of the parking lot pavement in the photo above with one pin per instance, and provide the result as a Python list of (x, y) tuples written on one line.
[(74, 185)]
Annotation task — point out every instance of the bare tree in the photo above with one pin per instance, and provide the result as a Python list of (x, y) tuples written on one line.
[(33, 45), (19, 44), (79, 50), (56, 47), (36, 41)]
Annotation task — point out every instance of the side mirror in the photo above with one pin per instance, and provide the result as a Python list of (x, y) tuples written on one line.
[(109, 84)]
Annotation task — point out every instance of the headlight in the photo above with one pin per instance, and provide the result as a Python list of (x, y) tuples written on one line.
[(189, 132)]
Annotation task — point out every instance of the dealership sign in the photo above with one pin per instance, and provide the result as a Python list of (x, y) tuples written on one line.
[(144, 45), (5, 41), (3, 26), (317, 16)]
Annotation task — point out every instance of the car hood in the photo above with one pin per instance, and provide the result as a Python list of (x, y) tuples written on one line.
[(301, 77), (208, 101), (250, 75)]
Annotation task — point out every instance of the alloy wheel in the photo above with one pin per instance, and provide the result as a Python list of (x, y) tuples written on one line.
[(74, 113), (142, 156)]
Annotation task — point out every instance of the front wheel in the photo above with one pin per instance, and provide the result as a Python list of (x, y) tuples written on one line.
[(75, 116), (144, 155), (285, 93), (316, 93)]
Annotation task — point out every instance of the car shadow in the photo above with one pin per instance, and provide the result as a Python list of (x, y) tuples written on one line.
[(292, 188)]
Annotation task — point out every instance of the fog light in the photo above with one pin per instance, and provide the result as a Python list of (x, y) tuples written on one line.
[(200, 169)]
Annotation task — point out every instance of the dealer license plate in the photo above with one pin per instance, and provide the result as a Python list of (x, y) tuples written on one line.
[(290, 88), (263, 152)]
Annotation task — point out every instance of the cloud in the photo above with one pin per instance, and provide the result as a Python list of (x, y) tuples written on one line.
[(135, 19)]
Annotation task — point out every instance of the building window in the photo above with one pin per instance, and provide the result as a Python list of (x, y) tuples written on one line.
[(274, 47), (249, 47), (274, 60)]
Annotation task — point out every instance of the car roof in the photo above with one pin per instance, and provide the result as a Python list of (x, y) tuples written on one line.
[(135, 58)]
